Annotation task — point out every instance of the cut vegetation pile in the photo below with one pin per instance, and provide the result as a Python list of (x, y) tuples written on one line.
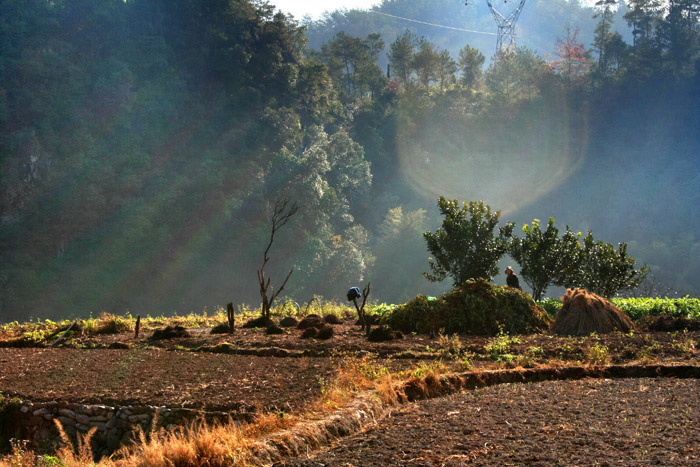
[(583, 313), (476, 307)]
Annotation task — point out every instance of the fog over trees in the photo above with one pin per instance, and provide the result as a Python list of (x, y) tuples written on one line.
[(144, 143)]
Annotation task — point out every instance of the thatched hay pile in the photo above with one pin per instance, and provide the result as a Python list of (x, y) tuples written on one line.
[(583, 313)]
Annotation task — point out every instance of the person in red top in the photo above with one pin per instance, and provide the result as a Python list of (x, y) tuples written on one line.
[(511, 279)]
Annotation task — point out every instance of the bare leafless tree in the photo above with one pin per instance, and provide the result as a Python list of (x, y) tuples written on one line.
[(281, 214)]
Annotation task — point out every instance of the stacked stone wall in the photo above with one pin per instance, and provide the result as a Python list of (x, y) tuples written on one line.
[(114, 426)]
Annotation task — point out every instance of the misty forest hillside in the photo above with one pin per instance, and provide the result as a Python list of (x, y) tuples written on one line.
[(452, 24), (143, 144)]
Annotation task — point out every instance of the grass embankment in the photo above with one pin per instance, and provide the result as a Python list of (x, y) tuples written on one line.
[(40, 333)]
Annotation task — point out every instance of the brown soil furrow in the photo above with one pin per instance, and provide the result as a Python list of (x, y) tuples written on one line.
[(367, 409), (647, 421)]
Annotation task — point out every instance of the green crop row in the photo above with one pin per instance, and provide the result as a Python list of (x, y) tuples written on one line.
[(637, 308)]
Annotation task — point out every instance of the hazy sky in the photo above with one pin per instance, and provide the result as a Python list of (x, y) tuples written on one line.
[(315, 8)]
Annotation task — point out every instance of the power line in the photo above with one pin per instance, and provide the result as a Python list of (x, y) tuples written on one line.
[(433, 24)]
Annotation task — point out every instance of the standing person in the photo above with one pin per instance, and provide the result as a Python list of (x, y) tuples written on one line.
[(511, 279)]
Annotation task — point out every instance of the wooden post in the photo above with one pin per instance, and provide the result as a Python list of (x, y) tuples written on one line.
[(138, 326), (231, 316)]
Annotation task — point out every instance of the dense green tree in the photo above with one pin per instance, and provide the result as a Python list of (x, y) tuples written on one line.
[(466, 246), (601, 268), (516, 75), (401, 55), (608, 44), (352, 65), (446, 69), (644, 17), (680, 36), (425, 63), (471, 62), (542, 255), (318, 102)]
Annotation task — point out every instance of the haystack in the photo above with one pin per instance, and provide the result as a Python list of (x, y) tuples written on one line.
[(477, 307), (583, 313)]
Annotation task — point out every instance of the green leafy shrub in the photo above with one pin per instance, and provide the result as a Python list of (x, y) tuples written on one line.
[(476, 307), (637, 308), (597, 354), (381, 309), (499, 348), (683, 345), (550, 305)]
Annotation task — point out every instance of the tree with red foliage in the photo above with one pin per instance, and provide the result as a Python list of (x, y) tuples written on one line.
[(573, 58)]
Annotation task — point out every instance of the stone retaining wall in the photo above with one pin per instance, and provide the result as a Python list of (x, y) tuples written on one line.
[(114, 426)]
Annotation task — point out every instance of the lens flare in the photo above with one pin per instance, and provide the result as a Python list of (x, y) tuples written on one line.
[(507, 165)]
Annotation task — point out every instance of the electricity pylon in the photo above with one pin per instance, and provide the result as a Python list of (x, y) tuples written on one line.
[(506, 24)]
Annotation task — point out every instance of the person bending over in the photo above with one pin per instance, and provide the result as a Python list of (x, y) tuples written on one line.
[(511, 279)]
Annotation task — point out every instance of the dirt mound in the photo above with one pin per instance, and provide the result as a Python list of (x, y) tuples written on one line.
[(325, 332), (332, 319), (274, 329), (169, 332), (119, 345), (222, 328), (477, 308), (322, 331), (260, 322), (288, 322), (583, 313), (668, 323), (311, 322), (384, 333)]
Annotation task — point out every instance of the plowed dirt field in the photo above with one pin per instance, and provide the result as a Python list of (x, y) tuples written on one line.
[(630, 422)]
